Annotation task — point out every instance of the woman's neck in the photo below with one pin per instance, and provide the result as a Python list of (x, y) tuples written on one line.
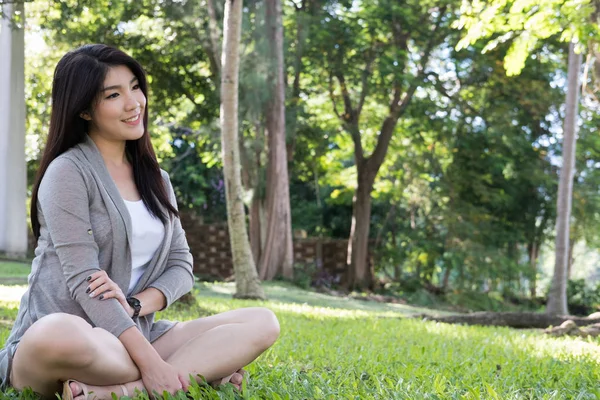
[(113, 152)]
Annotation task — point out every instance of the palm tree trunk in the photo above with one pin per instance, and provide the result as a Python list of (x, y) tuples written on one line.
[(246, 278), (570, 258), (557, 297), (277, 253)]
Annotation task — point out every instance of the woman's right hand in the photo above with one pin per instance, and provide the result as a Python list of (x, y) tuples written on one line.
[(162, 377)]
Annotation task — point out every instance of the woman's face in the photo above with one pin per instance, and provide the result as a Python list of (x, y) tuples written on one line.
[(119, 113)]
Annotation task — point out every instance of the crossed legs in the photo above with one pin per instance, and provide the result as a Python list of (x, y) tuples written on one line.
[(60, 347)]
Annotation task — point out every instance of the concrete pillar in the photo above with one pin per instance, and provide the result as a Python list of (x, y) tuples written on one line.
[(13, 172)]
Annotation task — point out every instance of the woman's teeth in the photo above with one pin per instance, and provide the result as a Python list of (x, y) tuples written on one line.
[(132, 119)]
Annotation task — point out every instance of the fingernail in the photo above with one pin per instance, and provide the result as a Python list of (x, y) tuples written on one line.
[(88, 278), (88, 290), (92, 294), (101, 297)]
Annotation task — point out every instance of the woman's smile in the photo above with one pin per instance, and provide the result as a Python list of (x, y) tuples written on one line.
[(133, 121)]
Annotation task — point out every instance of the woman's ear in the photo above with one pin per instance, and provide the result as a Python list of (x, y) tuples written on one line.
[(86, 115)]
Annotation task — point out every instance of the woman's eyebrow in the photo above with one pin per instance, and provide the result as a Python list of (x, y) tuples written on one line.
[(118, 86)]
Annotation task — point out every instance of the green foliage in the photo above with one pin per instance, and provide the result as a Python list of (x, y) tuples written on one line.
[(525, 24), (467, 188), (582, 298), (197, 178)]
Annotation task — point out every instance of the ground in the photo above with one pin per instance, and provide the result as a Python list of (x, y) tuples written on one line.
[(336, 348)]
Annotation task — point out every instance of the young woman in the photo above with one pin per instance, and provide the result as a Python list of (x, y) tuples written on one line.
[(111, 252)]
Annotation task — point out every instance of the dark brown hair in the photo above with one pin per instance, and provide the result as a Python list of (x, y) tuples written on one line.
[(78, 79)]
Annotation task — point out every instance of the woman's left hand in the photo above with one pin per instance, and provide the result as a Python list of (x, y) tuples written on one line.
[(102, 287)]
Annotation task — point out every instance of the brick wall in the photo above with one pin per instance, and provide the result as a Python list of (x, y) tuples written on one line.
[(209, 244)]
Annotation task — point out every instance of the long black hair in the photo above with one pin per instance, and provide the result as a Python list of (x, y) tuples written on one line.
[(78, 79)]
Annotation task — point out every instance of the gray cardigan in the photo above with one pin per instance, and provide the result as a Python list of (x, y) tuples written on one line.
[(85, 227)]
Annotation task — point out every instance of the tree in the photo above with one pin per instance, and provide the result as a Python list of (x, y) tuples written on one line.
[(557, 297), (247, 283), (13, 171), (277, 252), (525, 24), (371, 54)]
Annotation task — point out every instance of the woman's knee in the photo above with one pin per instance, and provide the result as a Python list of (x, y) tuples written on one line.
[(268, 326), (60, 339)]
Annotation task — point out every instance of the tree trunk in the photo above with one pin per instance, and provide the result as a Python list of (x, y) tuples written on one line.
[(359, 273), (13, 168), (533, 251), (251, 171), (301, 15), (258, 227), (277, 253), (446, 279), (215, 35), (246, 278), (557, 296), (570, 258), (397, 265)]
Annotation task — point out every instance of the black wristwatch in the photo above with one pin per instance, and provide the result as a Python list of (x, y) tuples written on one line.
[(136, 305)]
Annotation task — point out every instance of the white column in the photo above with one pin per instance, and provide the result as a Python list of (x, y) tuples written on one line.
[(13, 173)]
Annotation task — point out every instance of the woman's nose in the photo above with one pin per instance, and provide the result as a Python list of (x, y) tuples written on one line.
[(132, 102)]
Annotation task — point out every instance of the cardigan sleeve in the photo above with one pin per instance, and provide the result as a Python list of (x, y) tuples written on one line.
[(178, 278), (63, 199)]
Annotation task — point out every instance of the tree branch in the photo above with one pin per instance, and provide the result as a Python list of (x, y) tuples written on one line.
[(400, 103), (442, 90), (348, 109), (350, 119), (364, 85), (215, 35), (332, 97)]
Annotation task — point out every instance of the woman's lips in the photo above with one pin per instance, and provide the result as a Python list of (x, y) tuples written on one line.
[(134, 121)]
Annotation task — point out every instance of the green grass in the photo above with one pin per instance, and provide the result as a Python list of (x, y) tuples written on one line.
[(332, 348), (13, 272)]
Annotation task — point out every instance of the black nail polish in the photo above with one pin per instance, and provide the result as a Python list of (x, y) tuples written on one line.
[(101, 297), (88, 290), (88, 278)]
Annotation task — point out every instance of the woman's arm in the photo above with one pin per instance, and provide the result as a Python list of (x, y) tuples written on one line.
[(104, 289), (156, 373), (64, 204), (152, 300)]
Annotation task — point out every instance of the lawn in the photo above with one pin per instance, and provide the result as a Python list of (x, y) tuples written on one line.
[(335, 348)]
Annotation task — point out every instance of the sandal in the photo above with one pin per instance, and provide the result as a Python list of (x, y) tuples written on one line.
[(67, 393)]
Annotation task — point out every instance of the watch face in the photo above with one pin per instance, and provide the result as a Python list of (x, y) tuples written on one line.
[(133, 302)]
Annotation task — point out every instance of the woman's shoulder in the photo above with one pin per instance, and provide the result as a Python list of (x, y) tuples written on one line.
[(63, 163), (165, 175), (166, 178), (66, 168)]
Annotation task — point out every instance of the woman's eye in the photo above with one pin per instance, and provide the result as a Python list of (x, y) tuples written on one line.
[(136, 86), (112, 96)]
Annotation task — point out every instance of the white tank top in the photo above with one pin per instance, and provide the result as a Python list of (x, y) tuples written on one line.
[(148, 234)]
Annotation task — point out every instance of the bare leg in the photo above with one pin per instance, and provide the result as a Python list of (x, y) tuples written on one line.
[(61, 346), (219, 345), (214, 347)]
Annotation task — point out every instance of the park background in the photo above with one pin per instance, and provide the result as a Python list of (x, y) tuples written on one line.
[(392, 156)]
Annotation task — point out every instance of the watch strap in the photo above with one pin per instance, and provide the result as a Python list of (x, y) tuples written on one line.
[(136, 305)]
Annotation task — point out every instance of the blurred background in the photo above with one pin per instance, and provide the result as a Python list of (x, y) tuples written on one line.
[(434, 128)]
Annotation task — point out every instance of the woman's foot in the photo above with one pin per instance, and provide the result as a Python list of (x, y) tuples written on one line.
[(236, 379), (74, 390)]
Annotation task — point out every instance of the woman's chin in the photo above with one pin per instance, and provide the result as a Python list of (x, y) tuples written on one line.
[(138, 134)]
